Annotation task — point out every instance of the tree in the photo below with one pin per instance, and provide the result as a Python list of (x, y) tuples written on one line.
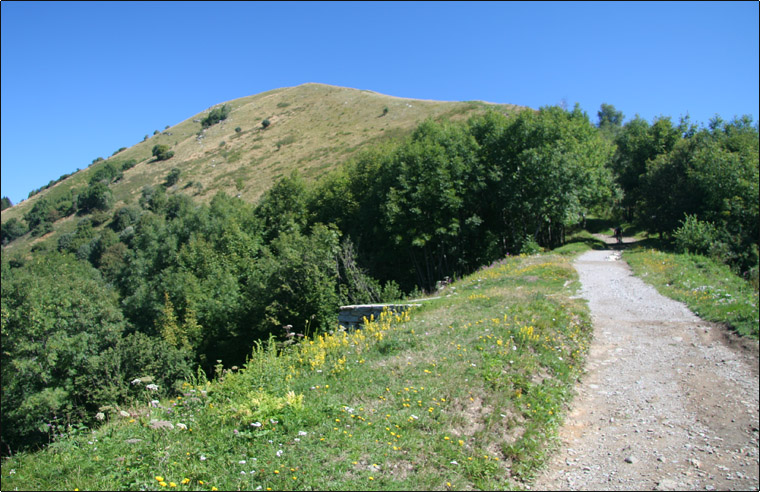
[(609, 117), (5, 203), (97, 196), (265, 123), (57, 318), (11, 230), (161, 152)]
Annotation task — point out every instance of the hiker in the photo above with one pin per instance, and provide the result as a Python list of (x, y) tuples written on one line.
[(619, 234)]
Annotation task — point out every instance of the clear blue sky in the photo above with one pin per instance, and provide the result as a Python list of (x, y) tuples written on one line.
[(80, 80)]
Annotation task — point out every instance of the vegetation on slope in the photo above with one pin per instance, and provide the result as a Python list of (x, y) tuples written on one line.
[(465, 392)]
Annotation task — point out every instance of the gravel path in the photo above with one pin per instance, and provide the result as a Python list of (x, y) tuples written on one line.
[(668, 401)]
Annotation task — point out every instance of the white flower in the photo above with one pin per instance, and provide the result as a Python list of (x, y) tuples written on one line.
[(203, 458), (181, 426), (302, 433), (136, 381), (154, 403), (242, 462), (256, 424), (152, 387), (279, 453), (100, 416), (123, 413), (454, 462)]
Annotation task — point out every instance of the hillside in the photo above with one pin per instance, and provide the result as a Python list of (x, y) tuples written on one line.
[(313, 128)]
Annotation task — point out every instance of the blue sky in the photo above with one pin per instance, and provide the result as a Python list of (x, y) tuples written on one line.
[(80, 80)]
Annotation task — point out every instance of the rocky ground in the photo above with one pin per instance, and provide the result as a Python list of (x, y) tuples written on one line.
[(668, 402)]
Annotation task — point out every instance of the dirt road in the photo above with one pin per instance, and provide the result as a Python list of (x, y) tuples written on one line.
[(668, 402)]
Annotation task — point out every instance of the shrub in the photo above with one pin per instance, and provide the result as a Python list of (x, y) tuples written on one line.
[(265, 123), (11, 230), (238, 129), (215, 116), (695, 236), (128, 165), (161, 152), (96, 197), (173, 177)]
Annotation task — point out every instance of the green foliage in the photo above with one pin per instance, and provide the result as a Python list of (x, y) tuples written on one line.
[(105, 174), (172, 177), (161, 152), (695, 236), (129, 164), (57, 319), (265, 123), (11, 230), (283, 208), (610, 119), (713, 176), (215, 116), (125, 217), (97, 196), (5, 202)]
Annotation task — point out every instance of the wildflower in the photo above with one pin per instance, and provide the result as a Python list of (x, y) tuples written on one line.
[(185, 481), (172, 484), (152, 387), (302, 433), (256, 424), (123, 413), (136, 381), (159, 478), (279, 453), (100, 416), (181, 426)]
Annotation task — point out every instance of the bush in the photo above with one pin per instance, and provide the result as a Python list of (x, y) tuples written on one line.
[(215, 116), (11, 230), (695, 236), (161, 152), (128, 165), (173, 177), (265, 123), (96, 197)]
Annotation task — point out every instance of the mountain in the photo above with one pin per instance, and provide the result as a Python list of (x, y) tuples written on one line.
[(311, 127)]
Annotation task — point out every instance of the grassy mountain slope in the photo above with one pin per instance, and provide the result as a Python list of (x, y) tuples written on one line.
[(314, 128)]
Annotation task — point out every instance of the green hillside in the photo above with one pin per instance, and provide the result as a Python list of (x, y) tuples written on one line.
[(313, 128)]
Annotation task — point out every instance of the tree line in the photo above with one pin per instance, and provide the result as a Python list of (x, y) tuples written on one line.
[(167, 285)]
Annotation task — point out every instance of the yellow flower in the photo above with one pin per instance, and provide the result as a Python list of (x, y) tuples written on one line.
[(214, 488), (162, 484), (159, 478), (185, 481), (172, 484)]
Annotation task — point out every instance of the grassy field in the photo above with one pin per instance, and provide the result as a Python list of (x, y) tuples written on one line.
[(707, 287), (465, 392)]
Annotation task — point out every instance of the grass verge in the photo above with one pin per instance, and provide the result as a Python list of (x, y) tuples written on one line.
[(466, 392), (709, 288)]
